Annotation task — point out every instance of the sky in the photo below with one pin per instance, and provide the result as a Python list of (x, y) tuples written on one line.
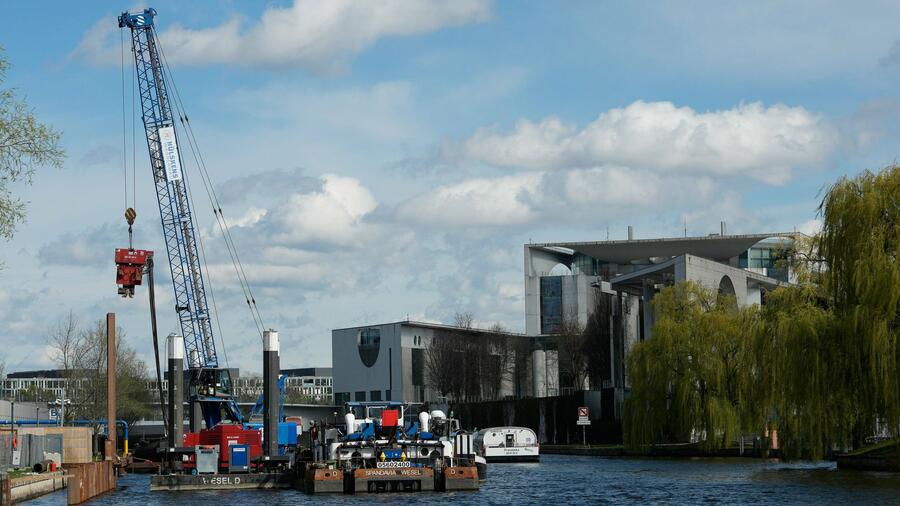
[(378, 161)]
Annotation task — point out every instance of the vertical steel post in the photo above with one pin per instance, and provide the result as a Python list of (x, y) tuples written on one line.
[(175, 346), (111, 379), (271, 368), (196, 413)]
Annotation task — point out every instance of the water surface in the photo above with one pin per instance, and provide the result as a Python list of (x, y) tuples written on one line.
[(583, 480)]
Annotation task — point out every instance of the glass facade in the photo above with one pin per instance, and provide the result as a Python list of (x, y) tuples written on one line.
[(418, 367), (369, 342), (551, 304), (765, 257)]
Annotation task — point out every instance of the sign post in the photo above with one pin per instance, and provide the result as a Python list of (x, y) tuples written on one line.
[(584, 420)]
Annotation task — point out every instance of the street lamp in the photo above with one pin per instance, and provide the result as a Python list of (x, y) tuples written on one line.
[(61, 403)]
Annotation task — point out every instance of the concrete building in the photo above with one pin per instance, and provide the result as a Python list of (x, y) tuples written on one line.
[(615, 282), (387, 361), (610, 284)]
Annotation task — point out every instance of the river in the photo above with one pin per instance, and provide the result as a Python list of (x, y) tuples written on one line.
[(584, 480)]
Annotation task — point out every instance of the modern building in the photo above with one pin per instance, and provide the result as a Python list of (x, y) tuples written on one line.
[(314, 383), (48, 383), (389, 362), (614, 282), (609, 284)]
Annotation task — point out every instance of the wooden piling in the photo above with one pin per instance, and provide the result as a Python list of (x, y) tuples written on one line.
[(111, 380)]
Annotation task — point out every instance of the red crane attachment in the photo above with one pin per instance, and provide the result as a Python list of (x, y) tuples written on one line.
[(130, 262)]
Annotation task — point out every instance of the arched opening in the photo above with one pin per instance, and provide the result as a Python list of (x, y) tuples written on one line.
[(726, 291)]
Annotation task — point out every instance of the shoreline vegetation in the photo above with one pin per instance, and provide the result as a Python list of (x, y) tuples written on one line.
[(818, 363)]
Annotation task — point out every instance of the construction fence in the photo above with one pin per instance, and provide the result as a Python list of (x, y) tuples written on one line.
[(25, 450)]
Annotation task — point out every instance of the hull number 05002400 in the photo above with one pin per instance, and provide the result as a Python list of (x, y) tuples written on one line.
[(392, 464)]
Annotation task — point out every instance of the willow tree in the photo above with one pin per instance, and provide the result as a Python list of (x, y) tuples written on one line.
[(825, 351), (860, 243), (685, 379), (792, 382)]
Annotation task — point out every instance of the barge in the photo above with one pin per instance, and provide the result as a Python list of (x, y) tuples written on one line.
[(388, 450)]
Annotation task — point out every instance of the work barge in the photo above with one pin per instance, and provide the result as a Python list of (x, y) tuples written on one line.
[(377, 447)]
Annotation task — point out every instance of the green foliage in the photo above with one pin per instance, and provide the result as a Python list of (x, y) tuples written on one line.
[(25, 143), (819, 361), (793, 383), (859, 243), (685, 379)]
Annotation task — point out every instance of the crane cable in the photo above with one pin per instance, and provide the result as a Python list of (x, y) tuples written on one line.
[(213, 197), (130, 213)]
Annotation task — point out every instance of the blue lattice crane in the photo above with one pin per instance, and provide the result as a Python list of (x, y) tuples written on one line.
[(210, 386)]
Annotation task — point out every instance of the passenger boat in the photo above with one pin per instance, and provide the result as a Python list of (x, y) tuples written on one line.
[(507, 444)]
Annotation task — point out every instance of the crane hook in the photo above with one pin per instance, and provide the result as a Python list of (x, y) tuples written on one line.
[(130, 215)]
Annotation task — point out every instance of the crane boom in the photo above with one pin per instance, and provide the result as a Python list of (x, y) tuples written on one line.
[(171, 193), (210, 386)]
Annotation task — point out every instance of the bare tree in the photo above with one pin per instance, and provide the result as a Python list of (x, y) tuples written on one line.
[(571, 353), (598, 341), (463, 320), (441, 361), (65, 341), (81, 353)]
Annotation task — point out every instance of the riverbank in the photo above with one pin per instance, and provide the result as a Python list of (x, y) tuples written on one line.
[(884, 456), (29, 486), (676, 450)]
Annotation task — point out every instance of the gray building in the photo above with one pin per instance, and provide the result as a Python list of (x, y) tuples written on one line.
[(387, 361)]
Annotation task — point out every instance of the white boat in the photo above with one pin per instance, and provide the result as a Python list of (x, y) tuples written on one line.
[(507, 444)]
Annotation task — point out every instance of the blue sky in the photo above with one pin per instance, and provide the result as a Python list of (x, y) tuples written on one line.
[(385, 159)]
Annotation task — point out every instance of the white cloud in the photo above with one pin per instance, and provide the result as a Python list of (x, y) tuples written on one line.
[(764, 143), (310, 33), (619, 186), (530, 197), (810, 227), (499, 201), (334, 215)]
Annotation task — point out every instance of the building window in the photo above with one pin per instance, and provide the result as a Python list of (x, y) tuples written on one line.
[(368, 342), (551, 304), (360, 396), (341, 398), (418, 366), (375, 395), (387, 395)]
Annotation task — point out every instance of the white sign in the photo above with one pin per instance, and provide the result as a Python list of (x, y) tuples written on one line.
[(170, 154), (584, 422), (392, 464), (54, 414), (583, 414)]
